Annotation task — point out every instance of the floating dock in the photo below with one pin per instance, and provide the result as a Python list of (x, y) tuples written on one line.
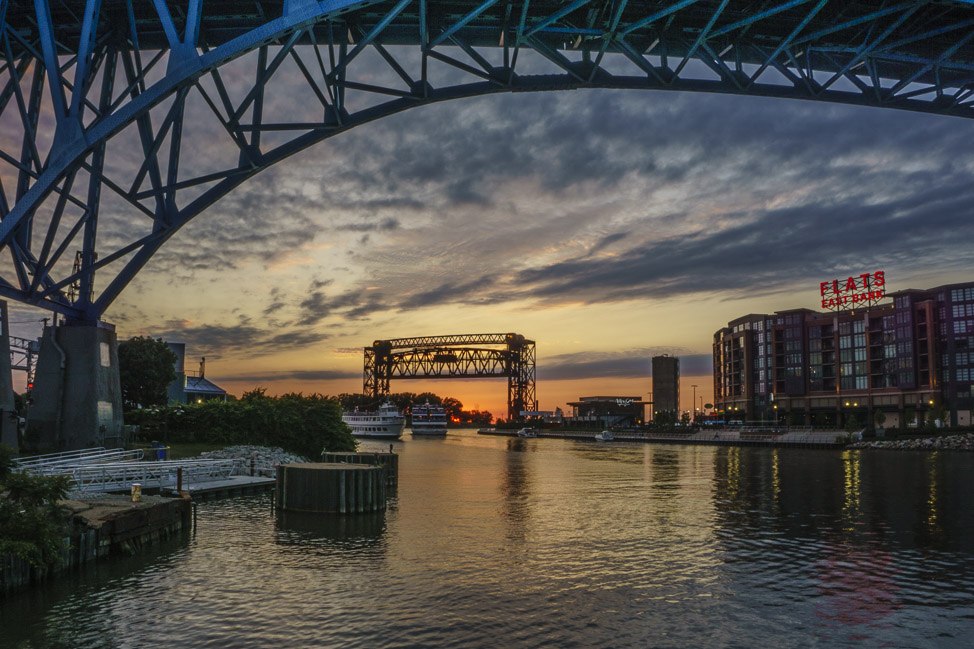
[(237, 485)]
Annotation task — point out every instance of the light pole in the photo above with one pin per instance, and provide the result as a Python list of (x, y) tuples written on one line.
[(693, 404)]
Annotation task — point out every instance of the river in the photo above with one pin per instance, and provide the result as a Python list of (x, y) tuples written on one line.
[(493, 541)]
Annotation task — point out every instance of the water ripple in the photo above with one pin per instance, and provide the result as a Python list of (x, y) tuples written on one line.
[(561, 544)]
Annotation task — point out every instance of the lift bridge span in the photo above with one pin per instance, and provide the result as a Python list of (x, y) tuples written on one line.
[(509, 356), (142, 114)]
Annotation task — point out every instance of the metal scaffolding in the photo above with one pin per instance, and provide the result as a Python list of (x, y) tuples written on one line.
[(509, 356)]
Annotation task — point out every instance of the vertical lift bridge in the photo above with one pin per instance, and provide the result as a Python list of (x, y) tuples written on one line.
[(457, 356)]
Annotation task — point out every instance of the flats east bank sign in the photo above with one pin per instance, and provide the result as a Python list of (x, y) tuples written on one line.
[(859, 290)]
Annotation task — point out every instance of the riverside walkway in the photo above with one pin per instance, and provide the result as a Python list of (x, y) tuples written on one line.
[(736, 436)]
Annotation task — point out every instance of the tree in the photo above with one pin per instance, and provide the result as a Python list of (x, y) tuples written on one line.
[(32, 522), (453, 408), (146, 367), (879, 418)]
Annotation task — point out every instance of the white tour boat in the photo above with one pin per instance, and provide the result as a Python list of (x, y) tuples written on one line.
[(386, 422), (429, 419)]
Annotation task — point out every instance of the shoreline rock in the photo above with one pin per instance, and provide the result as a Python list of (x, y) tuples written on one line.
[(265, 458), (962, 442)]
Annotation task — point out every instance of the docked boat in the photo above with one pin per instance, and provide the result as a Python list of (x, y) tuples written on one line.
[(604, 436), (526, 432), (385, 423), (429, 419)]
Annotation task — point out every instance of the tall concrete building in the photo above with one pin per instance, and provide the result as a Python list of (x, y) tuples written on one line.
[(666, 386)]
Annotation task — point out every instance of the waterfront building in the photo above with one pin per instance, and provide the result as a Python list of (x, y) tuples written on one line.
[(666, 387), (190, 386), (607, 412), (911, 359)]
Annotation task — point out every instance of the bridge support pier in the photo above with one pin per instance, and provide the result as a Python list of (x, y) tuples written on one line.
[(77, 398), (8, 411)]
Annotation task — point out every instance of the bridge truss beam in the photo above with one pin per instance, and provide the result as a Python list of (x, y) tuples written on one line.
[(450, 357), (102, 102)]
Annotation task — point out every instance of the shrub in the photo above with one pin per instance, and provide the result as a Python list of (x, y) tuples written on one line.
[(32, 523), (301, 424)]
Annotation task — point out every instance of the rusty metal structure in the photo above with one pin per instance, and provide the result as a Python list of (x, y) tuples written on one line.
[(509, 355)]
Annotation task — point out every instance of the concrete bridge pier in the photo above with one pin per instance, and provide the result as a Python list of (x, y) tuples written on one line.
[(77, 398), (8, 412)]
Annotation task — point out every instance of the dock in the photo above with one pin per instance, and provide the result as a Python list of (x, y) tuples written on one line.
[(237, 485)]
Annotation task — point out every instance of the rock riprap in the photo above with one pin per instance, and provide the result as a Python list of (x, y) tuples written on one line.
[(265, 458), (963, 442)]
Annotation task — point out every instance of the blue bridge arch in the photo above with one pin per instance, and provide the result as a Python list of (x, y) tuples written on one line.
[(95, 95)]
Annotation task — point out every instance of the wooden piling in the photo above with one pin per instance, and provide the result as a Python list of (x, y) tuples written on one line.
[(388, 461), (330, 488)]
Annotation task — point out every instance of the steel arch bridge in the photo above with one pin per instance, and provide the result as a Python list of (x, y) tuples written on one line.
[(510, 356), (99, 99)]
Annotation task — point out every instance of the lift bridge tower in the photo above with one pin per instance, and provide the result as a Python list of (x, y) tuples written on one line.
[(453, 357)]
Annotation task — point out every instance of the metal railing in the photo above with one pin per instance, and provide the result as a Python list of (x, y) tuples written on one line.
[(100, 470), (101, 478), (57, 456), (56, 463)]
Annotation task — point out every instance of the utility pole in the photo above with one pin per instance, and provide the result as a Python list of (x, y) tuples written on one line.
[(693, 404)]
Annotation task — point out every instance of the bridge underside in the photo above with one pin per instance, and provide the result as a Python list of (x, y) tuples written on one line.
[(509, 356), (141, 115)]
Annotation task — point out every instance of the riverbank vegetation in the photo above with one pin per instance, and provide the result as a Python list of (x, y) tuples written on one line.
[(32, 522), (301, 424)]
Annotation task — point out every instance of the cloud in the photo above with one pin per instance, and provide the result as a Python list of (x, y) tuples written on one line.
[(608, 197), (293, 375), (221, 340), (631, 363), (591, 196), (775, 247), (318, 306), (385, 225)]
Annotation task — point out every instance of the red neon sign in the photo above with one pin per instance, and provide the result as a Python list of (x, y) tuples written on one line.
[(861, 290)]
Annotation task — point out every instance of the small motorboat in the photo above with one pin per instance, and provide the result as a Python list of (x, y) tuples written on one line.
[(604, 436), (526, 432)]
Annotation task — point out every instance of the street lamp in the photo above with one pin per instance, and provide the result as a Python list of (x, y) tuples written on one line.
[(693, 404)]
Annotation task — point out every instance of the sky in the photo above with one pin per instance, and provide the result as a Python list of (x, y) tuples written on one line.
[(608, 226)]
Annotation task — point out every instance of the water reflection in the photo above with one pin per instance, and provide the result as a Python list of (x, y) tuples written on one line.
[(340, 532), (858, 584), (665, 471), (515, 491), (563, 543)]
